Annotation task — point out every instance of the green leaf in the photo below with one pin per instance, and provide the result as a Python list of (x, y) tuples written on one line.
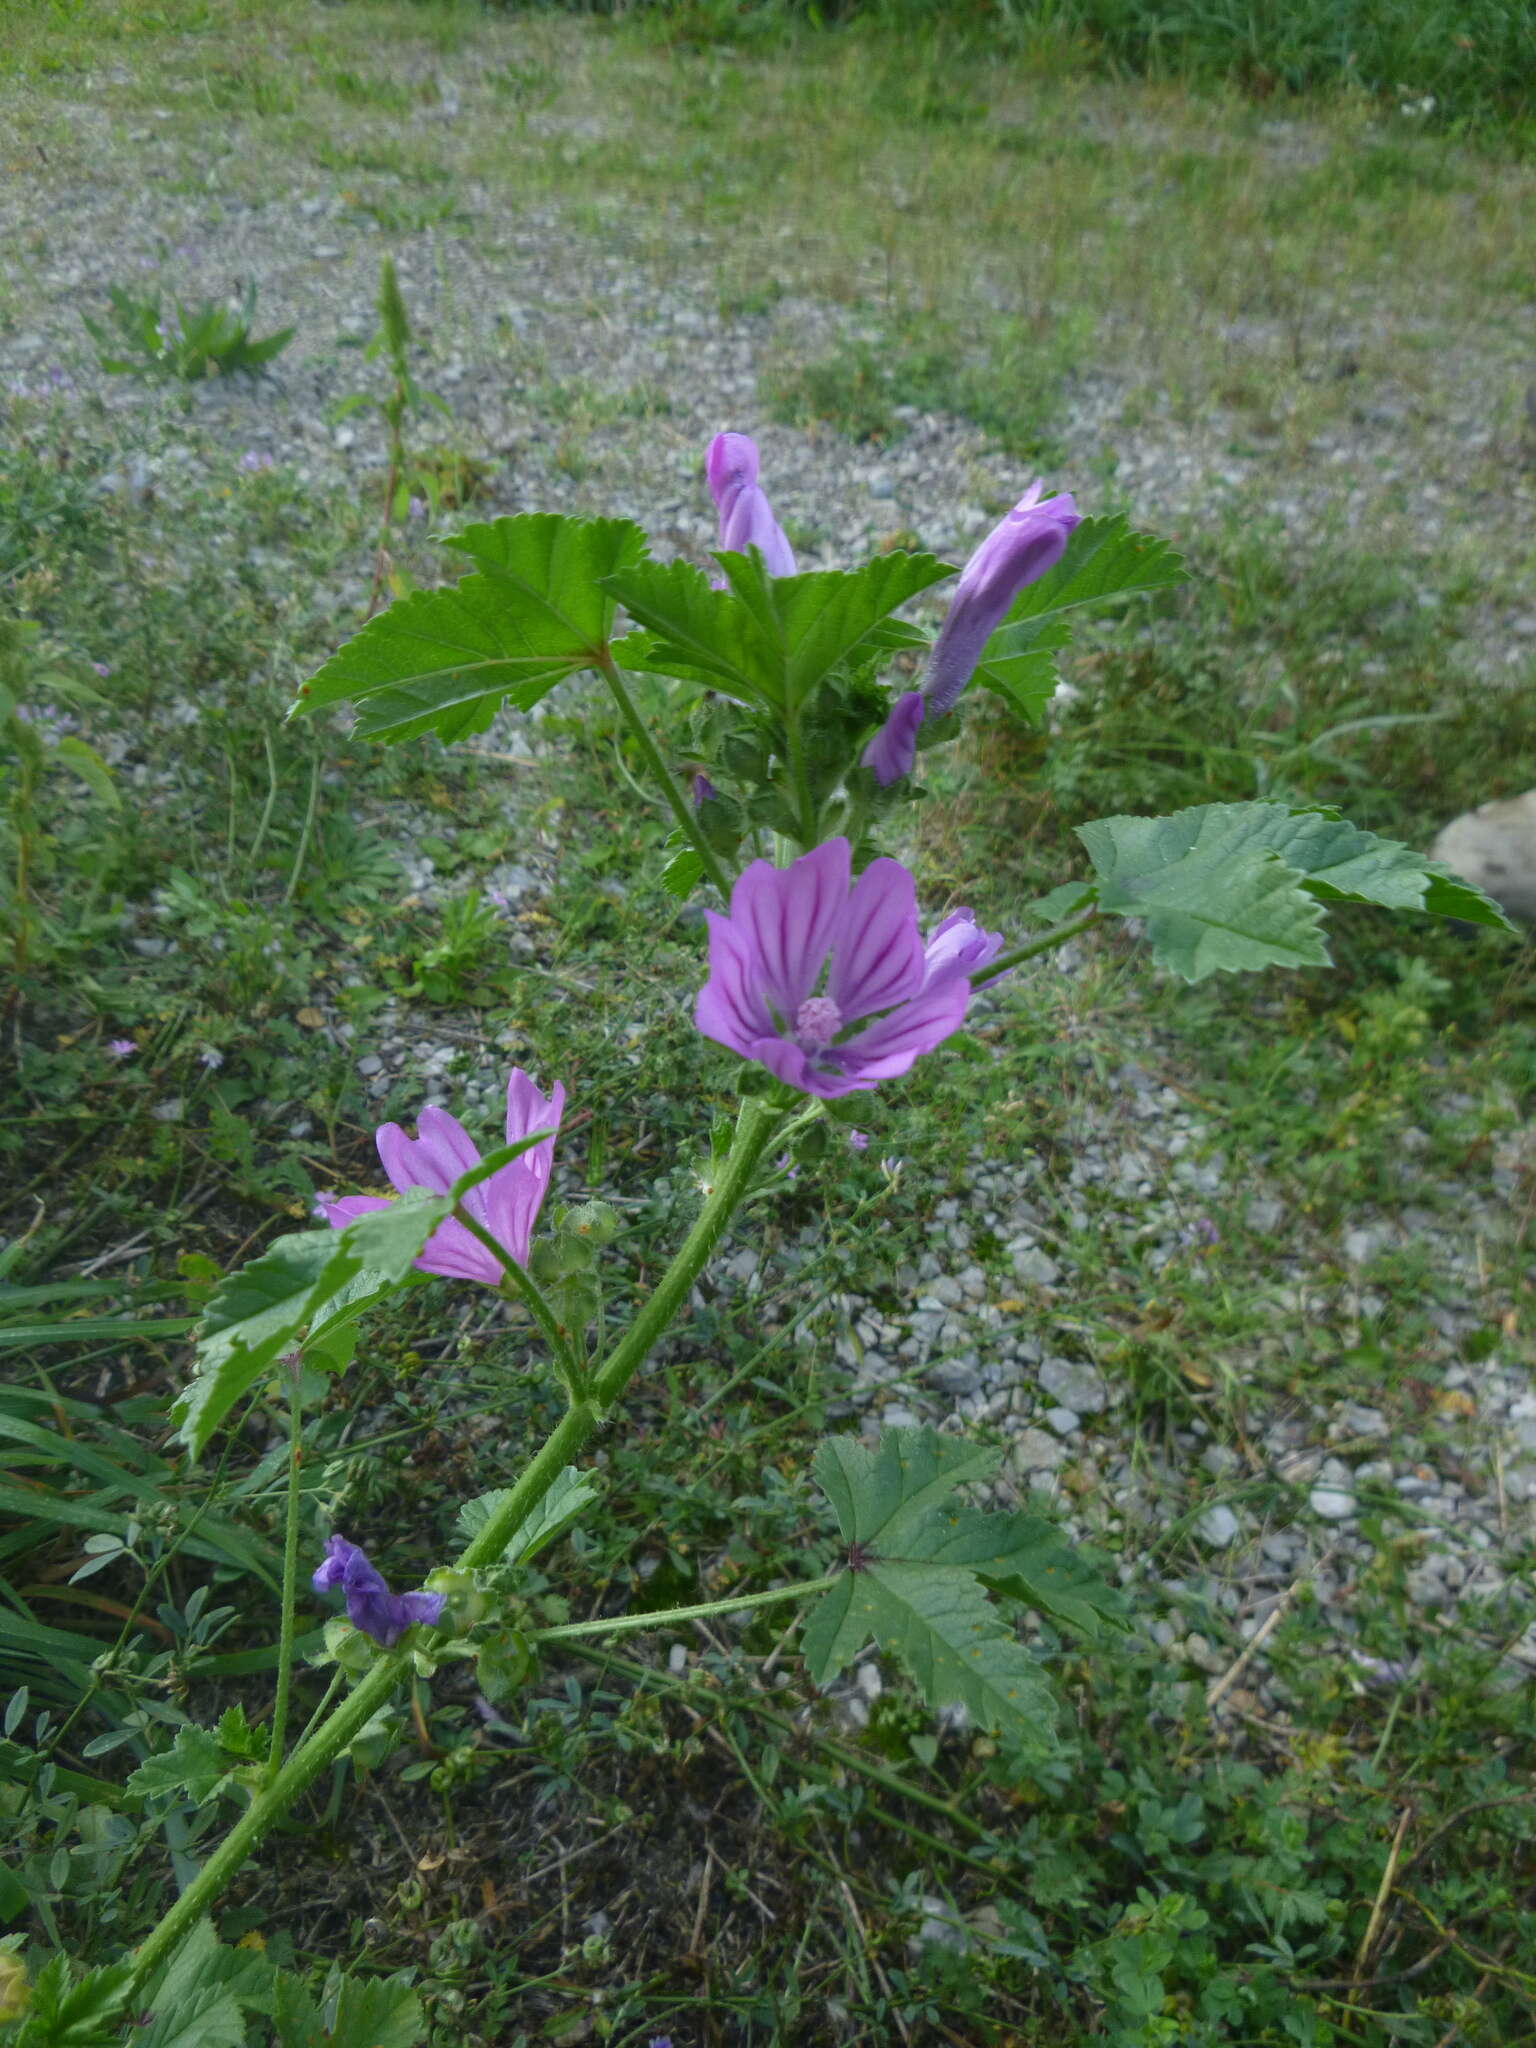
[(443, 660), (567, 1499), (376, 2013), (699, 634), (1104, 559), (193, 1768), (90, 767), (198, 1999), (1207, 906), (1058, 904), (1241, 886), (300, 1288), (493, 1162), (83, 2015), (813, 622), (680, 876), (770, 639), (913, 1586)]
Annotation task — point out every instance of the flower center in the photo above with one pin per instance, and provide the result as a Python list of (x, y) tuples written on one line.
[(817, 1022)]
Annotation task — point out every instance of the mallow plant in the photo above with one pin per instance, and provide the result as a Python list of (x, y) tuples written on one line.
[(784, 756)]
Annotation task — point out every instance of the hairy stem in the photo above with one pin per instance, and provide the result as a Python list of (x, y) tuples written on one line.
[(622, 1624), (290, 1575), (1050, 939), (537, 1301), (681, 809), (755, 1127)]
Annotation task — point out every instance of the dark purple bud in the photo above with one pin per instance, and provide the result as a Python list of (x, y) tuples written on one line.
[(703, 791), (893, 750), (1018, 551), (371, 1606)]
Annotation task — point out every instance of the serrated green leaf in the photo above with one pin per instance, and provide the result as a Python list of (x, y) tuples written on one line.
[(443, 660), (376, 2013), (201, 1994), (770, 639), (69, 2015), (1208, 905), (302, 1286), (567, 1499), (1104, 560), (912, 1584), (683, 872), (1223, 885), (811, 623), (193, 1768), (695, 632), (1023, 1558)]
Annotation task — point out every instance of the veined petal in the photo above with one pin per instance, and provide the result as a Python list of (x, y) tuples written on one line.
[(454, 1254), (915, 1027), (514, 1194), (786, 917), (877, 954), (435, 1159), (729, 1008)]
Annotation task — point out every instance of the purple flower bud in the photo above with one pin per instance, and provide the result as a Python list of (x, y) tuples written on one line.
[(371, 1606), (893, 750), (746, 518), (703, 791), (1018, 551), (961, 941)]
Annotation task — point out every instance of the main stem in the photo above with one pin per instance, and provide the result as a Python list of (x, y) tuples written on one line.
[(755, 1127), (290, 1573), (682, 810)]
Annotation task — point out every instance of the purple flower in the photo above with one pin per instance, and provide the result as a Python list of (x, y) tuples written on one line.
[(415, 507), (254, 459), (1019, 550), (211, 1058), (703, 790), (1201, 1232), (746, 519), (802, 959), (858, 1141), (101, 668), (960, 939), (370, 1604), (507, 1205), (893, 750), (121, 1048)]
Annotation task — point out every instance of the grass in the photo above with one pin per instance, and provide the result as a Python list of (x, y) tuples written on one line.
[(640, 1844)]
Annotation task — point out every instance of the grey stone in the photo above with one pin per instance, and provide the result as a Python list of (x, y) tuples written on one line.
[(1332, 1503), (1073, 1383), (1034, 1451), (1036, 1268), (1494, 848), (1063, 1420), (1218, 1527), (370, 1064), (957, 1376)]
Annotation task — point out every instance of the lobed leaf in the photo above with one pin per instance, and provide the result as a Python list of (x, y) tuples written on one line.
[(921, 1568), (567, 1499), (444, 660), (812, 622), (1241, 886)]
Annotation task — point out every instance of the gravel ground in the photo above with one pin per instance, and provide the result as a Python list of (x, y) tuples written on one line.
[(511, 314)]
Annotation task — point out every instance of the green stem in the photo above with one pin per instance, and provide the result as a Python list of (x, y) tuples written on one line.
[(301, 853), (805, 802), (290, 1576), (621, 1624), (1058, 937), (535, 1297), (682, 810), (755, 1126)]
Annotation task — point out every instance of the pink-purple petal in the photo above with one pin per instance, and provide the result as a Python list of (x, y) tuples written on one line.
[(786, 917), (916, 1027), (877, 955)]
